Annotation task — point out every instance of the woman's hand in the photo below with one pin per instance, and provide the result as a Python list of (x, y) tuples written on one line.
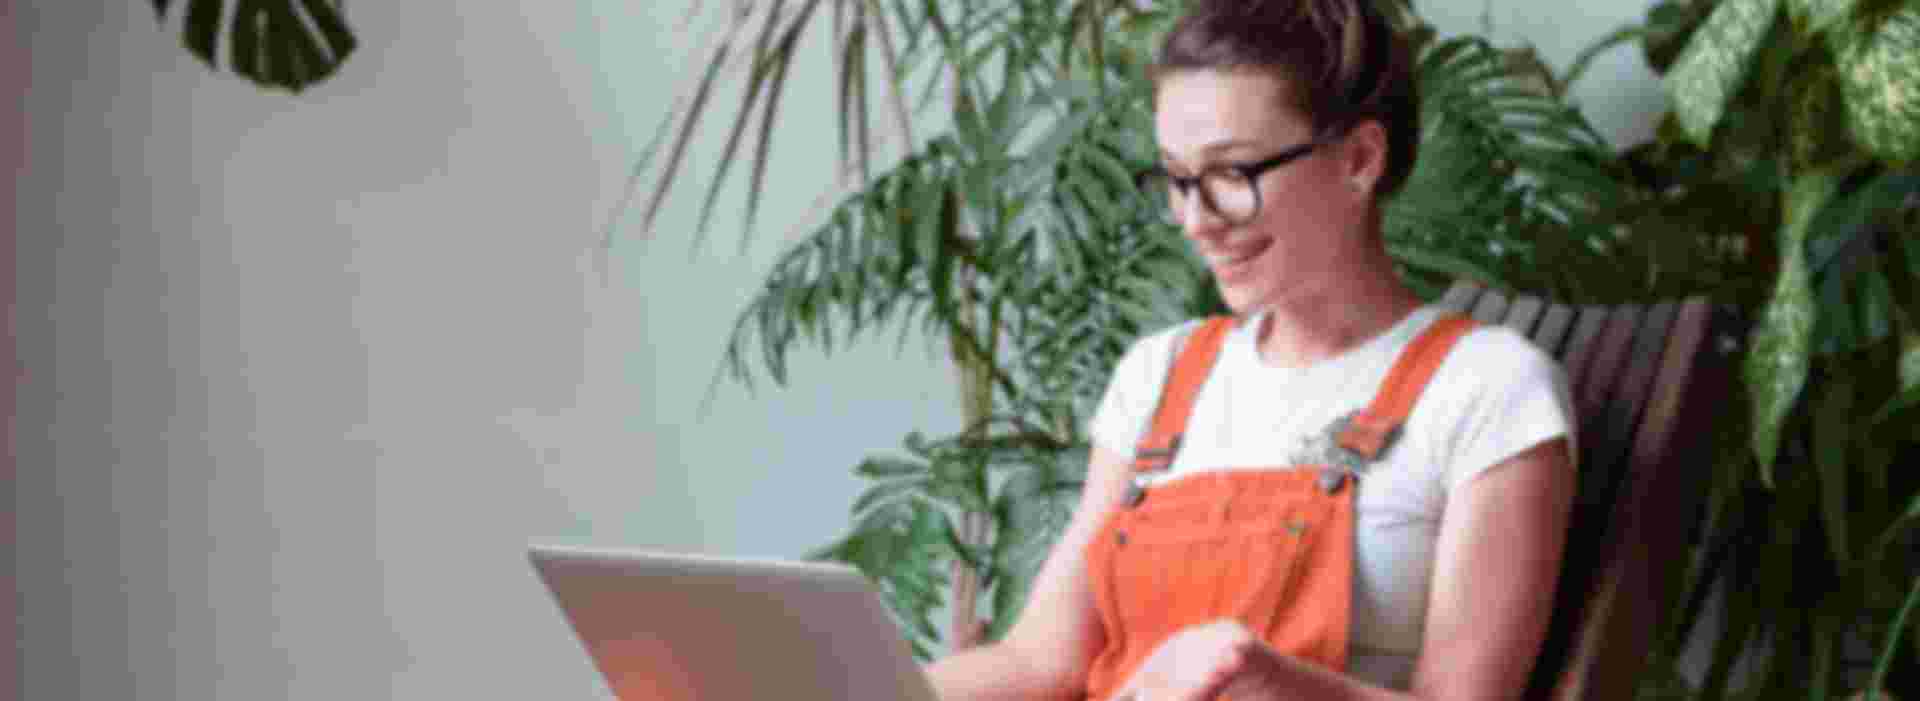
[(1198, 663)]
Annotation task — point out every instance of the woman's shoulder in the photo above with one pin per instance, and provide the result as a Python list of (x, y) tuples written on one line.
[(1504, 394), (1494, 358), (1499, 345), (1158, 346)]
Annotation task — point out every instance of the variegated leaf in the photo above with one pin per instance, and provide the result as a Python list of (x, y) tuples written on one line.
[(1714, 65), (1669, 24), (1818, 15), (1910, 361), (1780, 354), (1880, 76), (1817, 125)]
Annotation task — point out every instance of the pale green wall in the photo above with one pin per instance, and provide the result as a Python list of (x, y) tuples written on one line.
[(302, 376)]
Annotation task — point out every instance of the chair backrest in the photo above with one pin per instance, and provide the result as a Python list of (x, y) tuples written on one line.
[(1647, 381)]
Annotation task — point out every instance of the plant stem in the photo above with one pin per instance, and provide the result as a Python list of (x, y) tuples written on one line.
[(976, 407), (976, 379), (1893, 642), (976, 403)]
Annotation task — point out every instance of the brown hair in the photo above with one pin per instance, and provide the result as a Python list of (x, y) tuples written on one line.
[(1344, 64)]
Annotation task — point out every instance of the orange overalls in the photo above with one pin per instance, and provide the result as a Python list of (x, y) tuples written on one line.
[(1271, 548)]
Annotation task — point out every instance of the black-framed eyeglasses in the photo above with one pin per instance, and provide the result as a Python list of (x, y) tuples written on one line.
[(1231, 190)]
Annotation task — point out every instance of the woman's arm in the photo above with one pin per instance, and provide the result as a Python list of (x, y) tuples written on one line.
[(1496, 563), (1495, 566), (1048, 651)]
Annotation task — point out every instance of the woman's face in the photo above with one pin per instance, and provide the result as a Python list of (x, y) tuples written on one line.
[(1313, 214)]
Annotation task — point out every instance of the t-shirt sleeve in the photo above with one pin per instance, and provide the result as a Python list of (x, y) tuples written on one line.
[(1523, 399), (1133, 392)]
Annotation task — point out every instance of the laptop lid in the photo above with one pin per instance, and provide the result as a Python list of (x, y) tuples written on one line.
[(678, 627)]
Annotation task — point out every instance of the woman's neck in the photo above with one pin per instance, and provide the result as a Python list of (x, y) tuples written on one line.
[(1321, 321)]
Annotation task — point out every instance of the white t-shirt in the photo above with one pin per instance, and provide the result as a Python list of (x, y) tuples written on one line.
[(1495, 395)]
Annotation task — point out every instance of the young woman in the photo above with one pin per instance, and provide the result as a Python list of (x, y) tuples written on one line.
[(1340, 493)]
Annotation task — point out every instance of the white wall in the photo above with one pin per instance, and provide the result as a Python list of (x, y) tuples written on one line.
[(302, 376), (13, 144)]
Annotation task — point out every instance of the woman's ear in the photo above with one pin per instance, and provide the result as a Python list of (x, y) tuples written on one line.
[(1364, 160)]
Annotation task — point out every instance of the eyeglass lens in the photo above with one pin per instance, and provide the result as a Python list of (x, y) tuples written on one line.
[(1224, 193)]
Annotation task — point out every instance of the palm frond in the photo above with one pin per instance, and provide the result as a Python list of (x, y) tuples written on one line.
[(773, 29), (1503, 167), (891, 243), (963, 38)]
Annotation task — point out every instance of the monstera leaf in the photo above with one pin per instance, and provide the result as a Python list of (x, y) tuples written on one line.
[(289, 44)]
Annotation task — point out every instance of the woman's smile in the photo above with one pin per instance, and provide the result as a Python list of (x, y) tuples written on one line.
[(1237, 262)]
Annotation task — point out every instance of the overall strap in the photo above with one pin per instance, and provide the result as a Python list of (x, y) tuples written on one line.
[(1372, 429), (1189, 372)]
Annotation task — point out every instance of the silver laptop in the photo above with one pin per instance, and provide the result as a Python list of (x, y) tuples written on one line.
[(677, 627)]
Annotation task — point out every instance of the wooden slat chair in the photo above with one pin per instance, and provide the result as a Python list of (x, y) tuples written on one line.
[(1647, 381)]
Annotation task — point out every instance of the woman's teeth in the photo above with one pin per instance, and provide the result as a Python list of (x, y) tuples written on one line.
[(1236, 257)]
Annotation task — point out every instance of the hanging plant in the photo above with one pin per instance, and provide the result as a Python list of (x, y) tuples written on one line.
[(283, 44)]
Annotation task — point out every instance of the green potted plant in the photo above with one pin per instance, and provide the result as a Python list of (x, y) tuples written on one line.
[(1787, 168)]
